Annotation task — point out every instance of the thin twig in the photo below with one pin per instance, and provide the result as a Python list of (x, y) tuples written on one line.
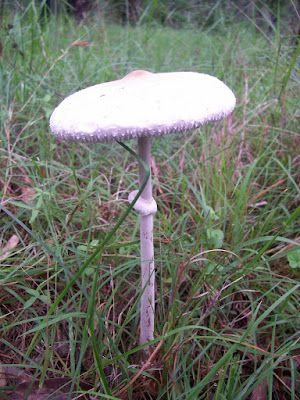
[(144, 367)]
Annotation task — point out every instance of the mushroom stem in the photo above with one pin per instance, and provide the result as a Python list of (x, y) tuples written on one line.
[(144, 151), (147, 251)]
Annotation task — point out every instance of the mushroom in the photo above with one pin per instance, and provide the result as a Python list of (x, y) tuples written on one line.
[(143, 105)]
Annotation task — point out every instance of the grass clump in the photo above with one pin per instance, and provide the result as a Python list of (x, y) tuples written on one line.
[(227, 242)]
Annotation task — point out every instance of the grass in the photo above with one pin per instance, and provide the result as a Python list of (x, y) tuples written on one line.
[(226, 231)]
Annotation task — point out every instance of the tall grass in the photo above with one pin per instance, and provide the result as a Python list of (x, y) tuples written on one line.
[(227, 227)]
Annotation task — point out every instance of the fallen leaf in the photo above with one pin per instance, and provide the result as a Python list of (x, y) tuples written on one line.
[(2, 377), (27, 194), (260, 391), (53, 389), (81, 44), (11, 244)]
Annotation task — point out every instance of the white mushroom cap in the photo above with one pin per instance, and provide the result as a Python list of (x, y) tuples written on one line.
[(142, 104)]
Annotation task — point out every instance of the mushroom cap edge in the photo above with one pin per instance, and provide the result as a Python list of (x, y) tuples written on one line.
[(142, 104)]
